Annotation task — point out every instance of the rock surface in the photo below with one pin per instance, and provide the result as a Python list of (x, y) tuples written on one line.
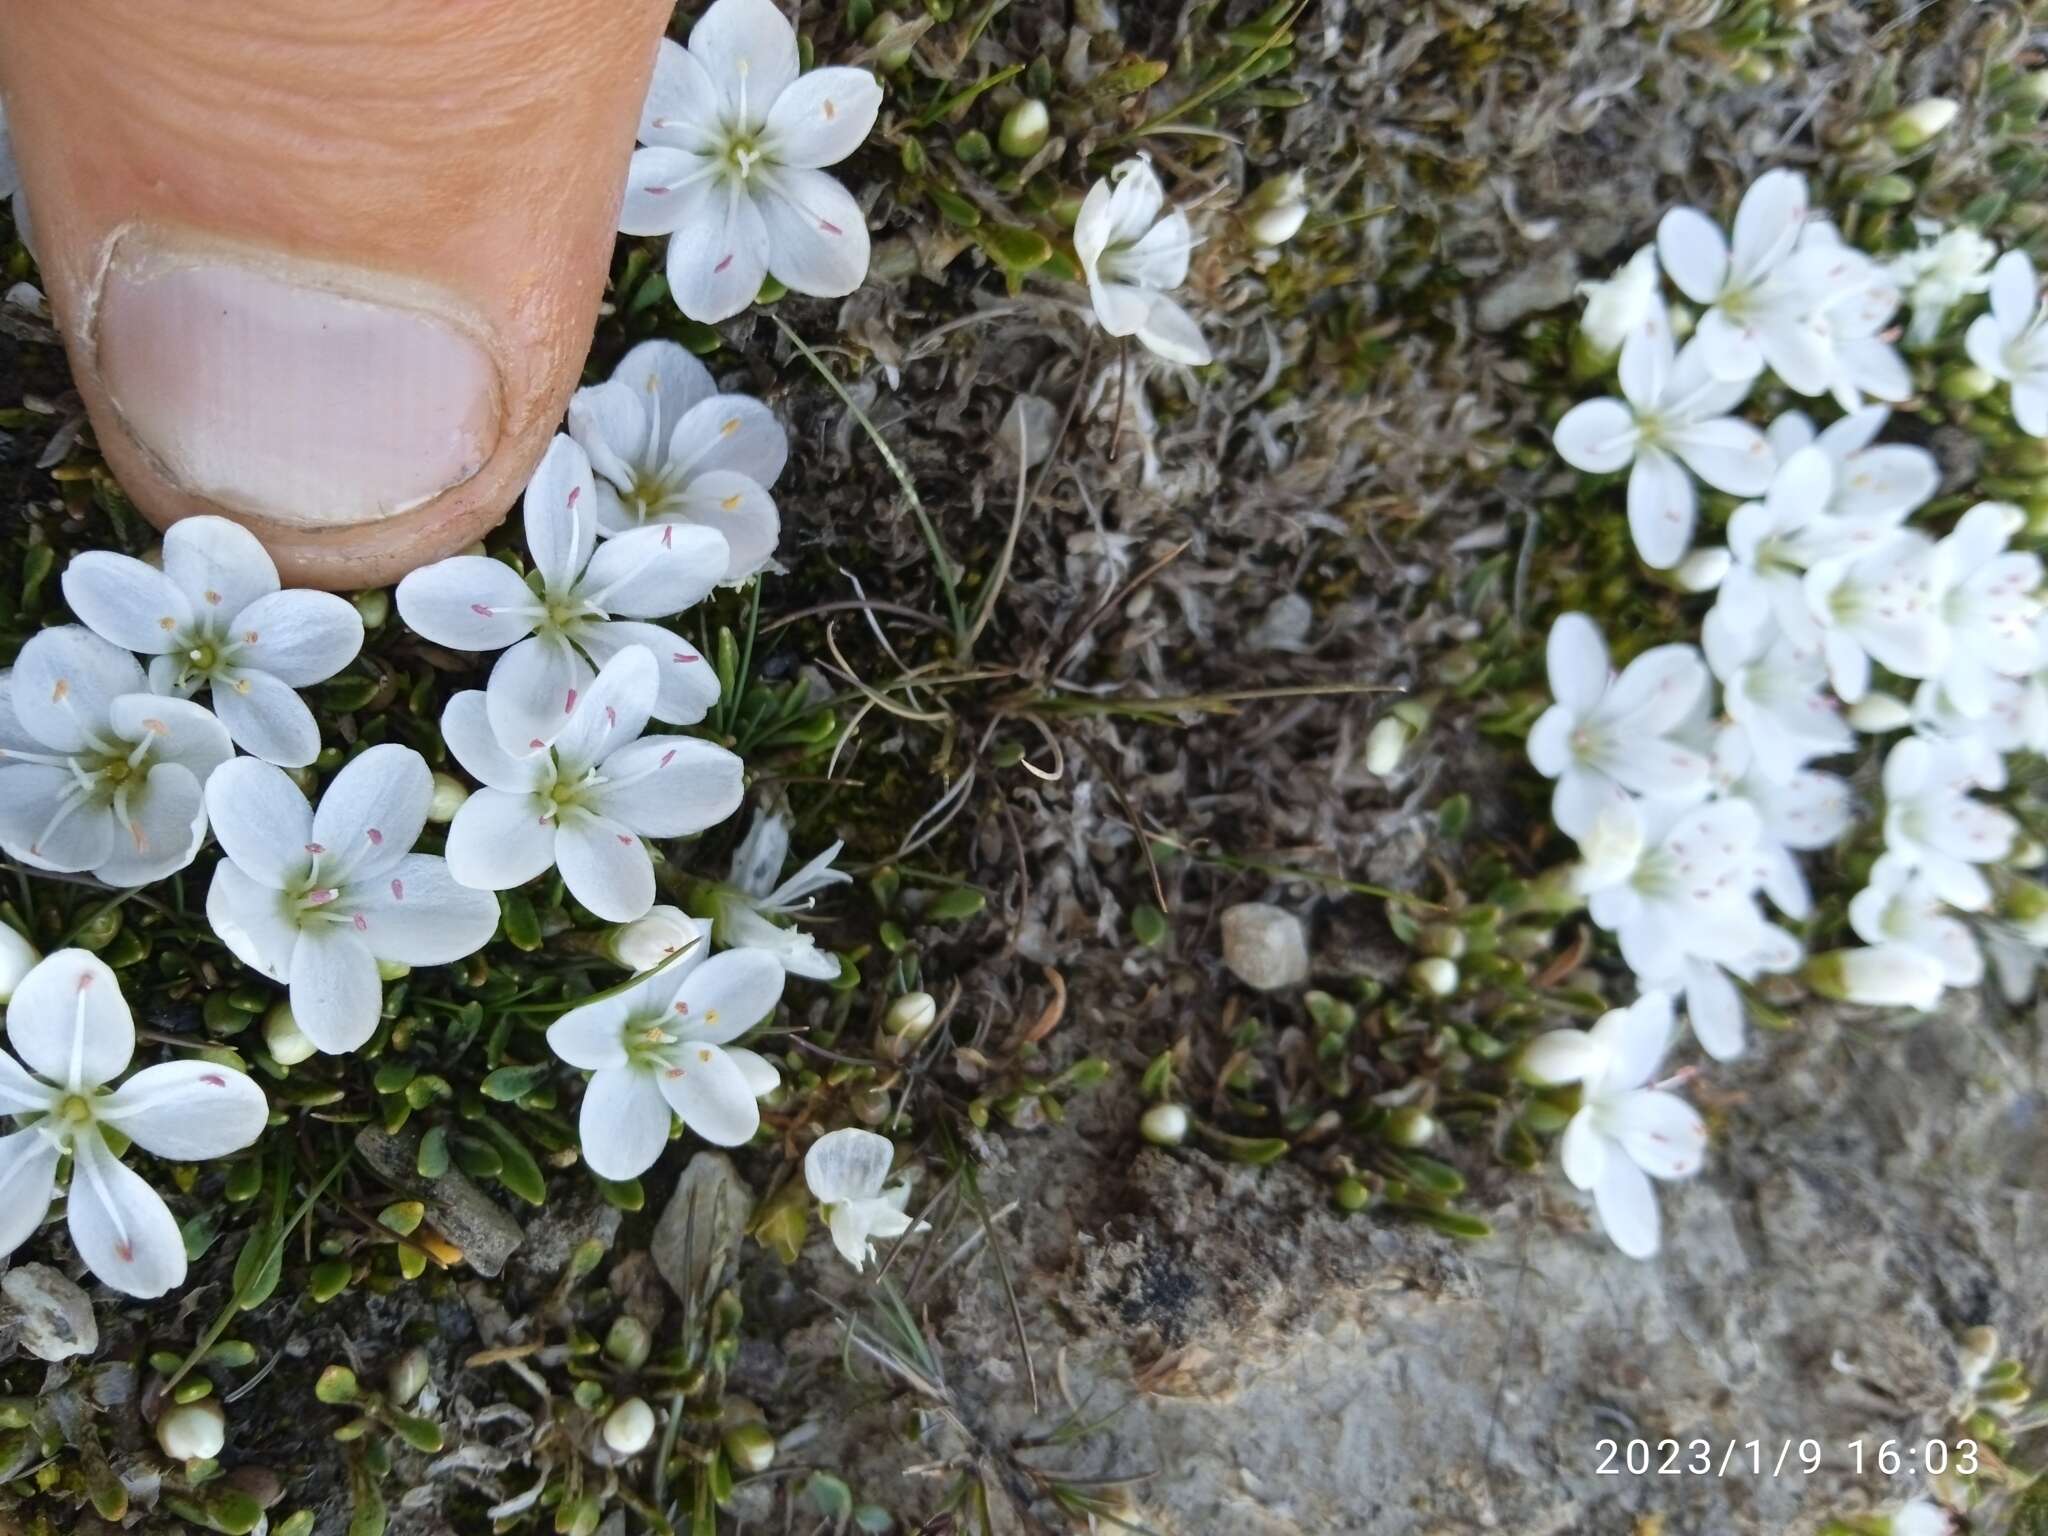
[(48, 1315), (458, 1210), (1264, 946)]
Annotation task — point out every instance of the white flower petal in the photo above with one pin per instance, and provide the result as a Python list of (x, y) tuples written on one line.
[(817, 234), (65, 681), (687, 685), (373, 811), (1576, 658), (758, 1070), (2015, 296), (740, 510), (609, 423), (120, 1226), (188, 1110), (850, 1233), (1728, 454), (1135, 201), (162, 831), (1121, 307), (655, 572), (532, 690), (735, 433), (1597, 436), (1715, 1009), (46, 823), (253, 920), (1583, 1151), (671, 786), (21, 1093), (28, 1180), (727, 995), (823, 117), (219, 565), (1662, 505), (1768, 223), (300, 638), (335, 990), (267, 719), (1628, 1207), (470, 602), (748, 50), (711, 1095), (561, 514), (1693, 254), (499, 840), (624, 1122), (593, 1036), (682, 104), (610, 713), (1729, 351), (466, 729), (660, 183), (718, 256), (664, 374), (1662, 1133), (120, 599), (605, 866), (262, 821), (68, 1022), (1562, 1056), (848, 1164), (417, 914), (1633, 1042), (1170, 332)]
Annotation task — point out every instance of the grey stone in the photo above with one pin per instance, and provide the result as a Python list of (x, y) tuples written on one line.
[(458, 1210), (50, 1316), (1264, 946), (700, 1229), (1544, 283)]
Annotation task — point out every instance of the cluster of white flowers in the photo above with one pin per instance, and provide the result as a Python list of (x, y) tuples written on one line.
[(1688, 779)]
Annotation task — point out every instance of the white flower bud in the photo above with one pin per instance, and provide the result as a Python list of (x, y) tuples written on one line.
[(1875, 714), (645, 942), (2024, 904), (1164, 1125), (192, 1431), (1386, 745), (407, 1377), (282, 1037), (1436, 976), (1882, 976), (1703, 569), (17, 958), (1911, 127), (629, 1428), (1616, 307), (449, 793), (912, 1014), (1274, 214), (1024, 129), (750, 1447)]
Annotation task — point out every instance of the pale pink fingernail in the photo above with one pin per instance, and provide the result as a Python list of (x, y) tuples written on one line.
[(308, 395)]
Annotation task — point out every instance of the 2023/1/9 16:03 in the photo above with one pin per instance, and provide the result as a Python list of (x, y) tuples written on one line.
[(1783, 1458)]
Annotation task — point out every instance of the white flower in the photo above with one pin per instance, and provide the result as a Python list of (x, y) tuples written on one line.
[(1624, 1133), (1798, 809), (1132, 256), (662, 1044), (1853, 302), (1884, 976), (668, 448), (1940, 274), (17, 958), (1899, 907), (747, 905), (1874, 485), (214, 618), (846, 1170), (1673, 417), (1688, 895), (1989, 602), (583, 802), (97, 773), (1883, 606), (1274, 214), (1607, 735), (731, 173), (1775, 690), (69, 1023), (566, 631), (1759, 304), (1920, 1517), (647, 941), (1932, 824), (2011, 342), (315, 899), (1707, 991), (1626, 301)]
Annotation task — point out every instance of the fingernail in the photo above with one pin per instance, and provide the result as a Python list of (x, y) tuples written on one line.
[(310, 395)]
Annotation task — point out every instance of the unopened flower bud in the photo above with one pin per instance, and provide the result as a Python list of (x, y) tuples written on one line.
[(1909, 128), (1351, 1195), (1875, 714), (1434, 977), (17, 958), (1025, 128), (282, 1037), (2027, 853), (645, 942), (2031, 89), (373, 607), (1703, 569), (1886, 192), (884, 24), (1164, 1125), (1274, 214), (629, 1428), (1976, 1351), (1963, 383), (1881, 976), (2024, 904), (912, 1015), (1619, 305), (192, 1431), (1445, 939), (1386, 744), (449, 793), (750, 1447), (1410, 1126), (627, 1342)]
